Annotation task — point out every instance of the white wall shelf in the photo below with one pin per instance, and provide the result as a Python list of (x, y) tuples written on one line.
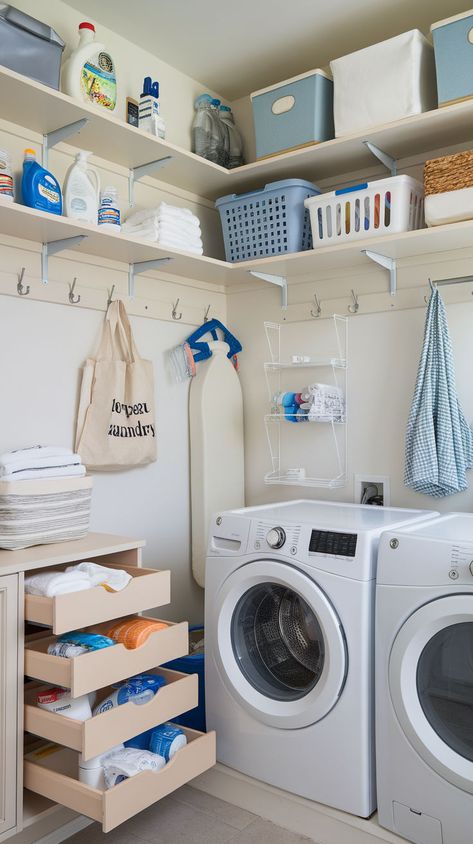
[(46, 110)]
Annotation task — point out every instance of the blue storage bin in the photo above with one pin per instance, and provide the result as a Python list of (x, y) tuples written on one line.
[(192, 664), (453, 48), (294, 113), (269, 221)]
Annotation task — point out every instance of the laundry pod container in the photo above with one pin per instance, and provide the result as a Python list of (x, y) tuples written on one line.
[(383, 83), (193, 663), (453, 46), (292, 114), (29, 46), (448, 183)]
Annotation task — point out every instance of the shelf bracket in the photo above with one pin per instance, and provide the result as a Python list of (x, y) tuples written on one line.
[(52, 138), (383, 157), (142, 267), (278, 280), (389, 264), (137, 173), (55, 246)]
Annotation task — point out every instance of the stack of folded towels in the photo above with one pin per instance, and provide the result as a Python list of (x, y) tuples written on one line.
[(40, 461), (168, 226)]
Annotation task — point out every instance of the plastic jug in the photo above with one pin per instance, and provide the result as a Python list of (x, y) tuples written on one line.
[(89, 73), (82, 190), (233, 143), (39, 188)]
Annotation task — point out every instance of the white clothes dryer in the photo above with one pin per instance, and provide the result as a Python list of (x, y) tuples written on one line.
[(424, 681), (289, 645)]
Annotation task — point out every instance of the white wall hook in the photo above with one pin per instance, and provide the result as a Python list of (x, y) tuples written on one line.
[(174, 313), (355, 306), (318, 309), (22, 291), (74, 300)]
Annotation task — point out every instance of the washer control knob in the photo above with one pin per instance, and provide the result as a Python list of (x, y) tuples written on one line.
[(471, 567), (276, 537)]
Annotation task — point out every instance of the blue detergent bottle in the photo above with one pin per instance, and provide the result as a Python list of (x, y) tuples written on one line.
[(39, 188)]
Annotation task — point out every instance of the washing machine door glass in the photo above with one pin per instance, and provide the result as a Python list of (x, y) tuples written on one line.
[(431, 685), (281, 646)]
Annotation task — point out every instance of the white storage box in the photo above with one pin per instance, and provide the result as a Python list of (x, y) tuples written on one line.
[(386, 206), (41, 512), (383, 83), (450, 207)]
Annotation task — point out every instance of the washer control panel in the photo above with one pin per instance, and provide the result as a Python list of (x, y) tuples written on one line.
[(276, 537), (332, 543)]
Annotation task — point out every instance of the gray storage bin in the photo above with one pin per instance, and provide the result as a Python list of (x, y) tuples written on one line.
[(29, 46)]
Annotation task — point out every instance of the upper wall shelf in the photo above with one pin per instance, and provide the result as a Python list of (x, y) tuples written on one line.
[(42, 109)]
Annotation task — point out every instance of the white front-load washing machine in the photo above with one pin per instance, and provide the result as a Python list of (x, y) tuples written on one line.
[(289, 645), (424, 681)]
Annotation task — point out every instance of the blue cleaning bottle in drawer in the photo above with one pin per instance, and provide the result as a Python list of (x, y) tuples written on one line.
[(39, 188)]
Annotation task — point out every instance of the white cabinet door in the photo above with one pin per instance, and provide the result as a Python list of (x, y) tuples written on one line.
[(8, 701)]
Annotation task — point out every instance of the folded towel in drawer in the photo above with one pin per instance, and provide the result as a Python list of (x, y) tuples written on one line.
[(51, 583), (114, 580)]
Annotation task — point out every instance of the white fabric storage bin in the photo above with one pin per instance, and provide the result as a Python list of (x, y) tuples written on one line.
[(450, 207), (41, 512), (383, 83), (386, 206)]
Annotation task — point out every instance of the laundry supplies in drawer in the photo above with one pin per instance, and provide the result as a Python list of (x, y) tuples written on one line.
[(94, 670), (52, 771), (386, 206), (453, 46), (448, 183), (116, 724), (293, 114), (383, 83), (146, 589)]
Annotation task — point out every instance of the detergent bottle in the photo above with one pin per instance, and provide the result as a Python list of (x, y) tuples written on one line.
[(82, 190), (39, 188), (89, 73)]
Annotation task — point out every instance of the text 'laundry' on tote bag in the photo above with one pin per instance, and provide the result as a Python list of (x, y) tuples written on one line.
[(116, 425)]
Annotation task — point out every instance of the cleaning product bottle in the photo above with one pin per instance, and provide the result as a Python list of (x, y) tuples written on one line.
[(109, 209), (39, 188), (233, 143), (208, 138), (149, 109), (82, 190), (89, 73), (6, 176), (217, 143)]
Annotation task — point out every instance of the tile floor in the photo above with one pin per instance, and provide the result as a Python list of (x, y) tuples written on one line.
[(191, 817)]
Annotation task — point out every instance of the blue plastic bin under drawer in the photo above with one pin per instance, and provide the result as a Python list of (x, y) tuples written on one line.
[(295, 113), (265, 222), (453, 48), (192, 664)]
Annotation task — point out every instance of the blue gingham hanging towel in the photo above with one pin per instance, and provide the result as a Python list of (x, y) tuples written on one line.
[(439, 441)]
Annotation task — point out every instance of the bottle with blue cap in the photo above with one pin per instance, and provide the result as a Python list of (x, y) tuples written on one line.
[(149, 117)]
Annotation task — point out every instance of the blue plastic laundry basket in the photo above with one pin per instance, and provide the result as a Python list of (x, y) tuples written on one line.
[(269, 221)]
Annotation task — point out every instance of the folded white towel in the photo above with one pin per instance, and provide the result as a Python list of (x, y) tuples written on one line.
[(33, 452), (151, 230), (172, 243), (76, 471), (112, 579), (177, 211), (51, 583), (164, 213), (176, 231), (22, 463)]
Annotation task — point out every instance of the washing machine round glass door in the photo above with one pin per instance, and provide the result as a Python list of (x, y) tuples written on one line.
[(281, 647), (431, 685)]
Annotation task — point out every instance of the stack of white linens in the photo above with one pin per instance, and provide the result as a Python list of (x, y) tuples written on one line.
[(39, 462), (167, 225)]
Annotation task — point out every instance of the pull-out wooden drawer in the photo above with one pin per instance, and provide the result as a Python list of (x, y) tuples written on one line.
[(94, 670), (57, 779), (100, 733), (148, 588)]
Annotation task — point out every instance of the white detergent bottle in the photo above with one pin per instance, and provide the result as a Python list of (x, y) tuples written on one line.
[(82, 190), (89, 73)]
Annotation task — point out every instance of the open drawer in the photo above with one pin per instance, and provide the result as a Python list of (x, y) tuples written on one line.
[(148, 588), (100, 733), (54, 774), (94, 670)]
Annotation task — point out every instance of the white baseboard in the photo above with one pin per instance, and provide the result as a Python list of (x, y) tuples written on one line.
[(320, 823)]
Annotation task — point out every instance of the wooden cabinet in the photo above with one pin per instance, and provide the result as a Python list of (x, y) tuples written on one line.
[(9, 688)]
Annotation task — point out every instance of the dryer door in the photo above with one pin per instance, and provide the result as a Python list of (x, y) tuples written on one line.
[(281, 648), (431, 685)]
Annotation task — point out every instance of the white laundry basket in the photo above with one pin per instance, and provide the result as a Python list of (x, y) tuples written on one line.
[(386, 206)]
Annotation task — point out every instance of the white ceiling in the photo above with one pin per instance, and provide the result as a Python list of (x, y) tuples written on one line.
[(240, 46)]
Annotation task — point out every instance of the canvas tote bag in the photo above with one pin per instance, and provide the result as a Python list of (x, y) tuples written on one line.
[(116, 423)]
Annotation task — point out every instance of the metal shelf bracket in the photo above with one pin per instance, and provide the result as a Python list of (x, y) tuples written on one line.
[(55, 246), (389, 264), (278, 280), (142, 267), (137, 173), (383, 157), (52, 138)]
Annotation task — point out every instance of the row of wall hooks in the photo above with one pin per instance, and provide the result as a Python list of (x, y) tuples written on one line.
[(316, 308)]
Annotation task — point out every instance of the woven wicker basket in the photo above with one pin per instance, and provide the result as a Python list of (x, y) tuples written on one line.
[(452, 172)]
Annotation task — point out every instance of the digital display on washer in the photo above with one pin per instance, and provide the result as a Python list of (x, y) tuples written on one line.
[(330, 542)]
